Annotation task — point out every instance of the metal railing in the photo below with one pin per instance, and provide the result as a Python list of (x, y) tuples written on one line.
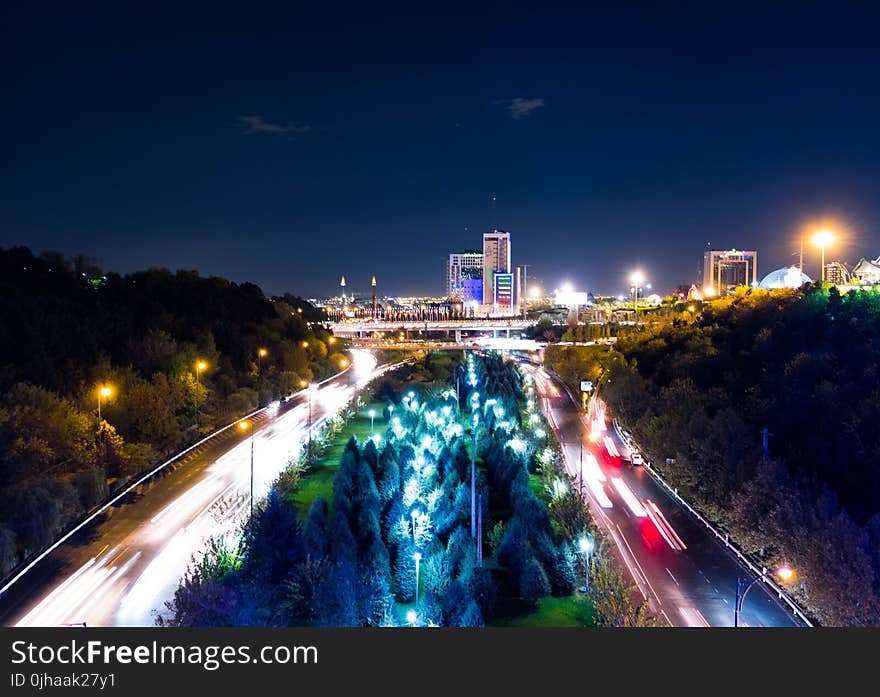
[(144, 478), (723, 538)]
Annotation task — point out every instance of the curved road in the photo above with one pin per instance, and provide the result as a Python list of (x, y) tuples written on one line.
[(121, 569), (678, 566)]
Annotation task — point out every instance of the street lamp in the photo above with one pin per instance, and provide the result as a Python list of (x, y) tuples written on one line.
[(372, 415), (200, 366), (305, 385), (823, 238), (260, 355), (637, 278), (784, 572), (418, 557), (474, 476), (244, 425), (104, 391), (585, 545)]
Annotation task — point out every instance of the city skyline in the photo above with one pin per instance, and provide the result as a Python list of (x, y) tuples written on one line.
[(602, 143)]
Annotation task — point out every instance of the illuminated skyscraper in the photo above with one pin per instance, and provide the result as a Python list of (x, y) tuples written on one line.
[(496, 259), (463, 272)]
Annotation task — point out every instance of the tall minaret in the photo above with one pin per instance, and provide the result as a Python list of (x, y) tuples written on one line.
[(342, 284), (374, 297)]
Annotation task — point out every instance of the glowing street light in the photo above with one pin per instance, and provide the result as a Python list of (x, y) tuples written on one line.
[(243, 426), (104, 391), (822, 239), (784, 572), (637, 278), (412, 617), (585, 545), (372, 415), (200, 366)]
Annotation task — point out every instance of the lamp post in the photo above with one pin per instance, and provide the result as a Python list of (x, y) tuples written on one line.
[(823, 238), (473, 476), (418, 557), (244, 426), (104, 391), (743, 587), (305, 385), (637, 278), (200, 366), (585, 545), (414, 514), (372, 415)]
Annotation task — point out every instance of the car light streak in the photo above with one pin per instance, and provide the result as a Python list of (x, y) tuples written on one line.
[(592, 469), (610, 447), (663, 526), (628, 497), (693, 617)]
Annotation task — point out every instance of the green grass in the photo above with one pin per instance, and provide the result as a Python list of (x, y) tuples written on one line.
[(318, 480), (573, 611)]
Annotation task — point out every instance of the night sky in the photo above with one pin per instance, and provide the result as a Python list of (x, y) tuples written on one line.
[(287, 147)]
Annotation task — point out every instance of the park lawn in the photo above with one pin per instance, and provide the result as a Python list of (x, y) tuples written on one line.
[(318, 479), (572, 611)]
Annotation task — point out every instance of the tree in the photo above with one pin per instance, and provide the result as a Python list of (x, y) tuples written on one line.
[(533, 581)]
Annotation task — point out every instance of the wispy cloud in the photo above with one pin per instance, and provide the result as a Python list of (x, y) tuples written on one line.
[(522, 107), (256, 124)]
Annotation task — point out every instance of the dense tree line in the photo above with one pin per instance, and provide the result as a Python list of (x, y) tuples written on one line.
[(69, 329), (698, 394), (352, 563)]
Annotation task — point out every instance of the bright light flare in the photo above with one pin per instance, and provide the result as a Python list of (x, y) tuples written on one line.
[(785, 572)]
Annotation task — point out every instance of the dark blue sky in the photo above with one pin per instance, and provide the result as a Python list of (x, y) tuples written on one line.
[(288, 147)]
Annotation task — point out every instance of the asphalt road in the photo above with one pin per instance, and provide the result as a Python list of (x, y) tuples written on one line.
[(678, 566), (121, 569)]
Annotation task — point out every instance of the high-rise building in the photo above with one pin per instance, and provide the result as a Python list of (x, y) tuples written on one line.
[(496, 259), (725, 270), (836, 273), (462, 270)]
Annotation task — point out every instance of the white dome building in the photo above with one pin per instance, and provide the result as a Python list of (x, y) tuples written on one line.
[(791, 277)]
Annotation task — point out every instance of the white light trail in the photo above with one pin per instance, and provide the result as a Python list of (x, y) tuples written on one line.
[(628, 497)]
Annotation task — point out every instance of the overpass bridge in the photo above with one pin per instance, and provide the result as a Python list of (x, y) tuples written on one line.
[(367, 327)]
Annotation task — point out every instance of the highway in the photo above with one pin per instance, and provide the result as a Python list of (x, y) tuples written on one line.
[(688, 578), (121, 569)]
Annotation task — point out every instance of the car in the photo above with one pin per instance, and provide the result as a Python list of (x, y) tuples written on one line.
[(637, 458)]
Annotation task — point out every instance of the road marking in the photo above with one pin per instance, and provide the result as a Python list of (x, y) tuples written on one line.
[(644, 575), (673, 577)]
